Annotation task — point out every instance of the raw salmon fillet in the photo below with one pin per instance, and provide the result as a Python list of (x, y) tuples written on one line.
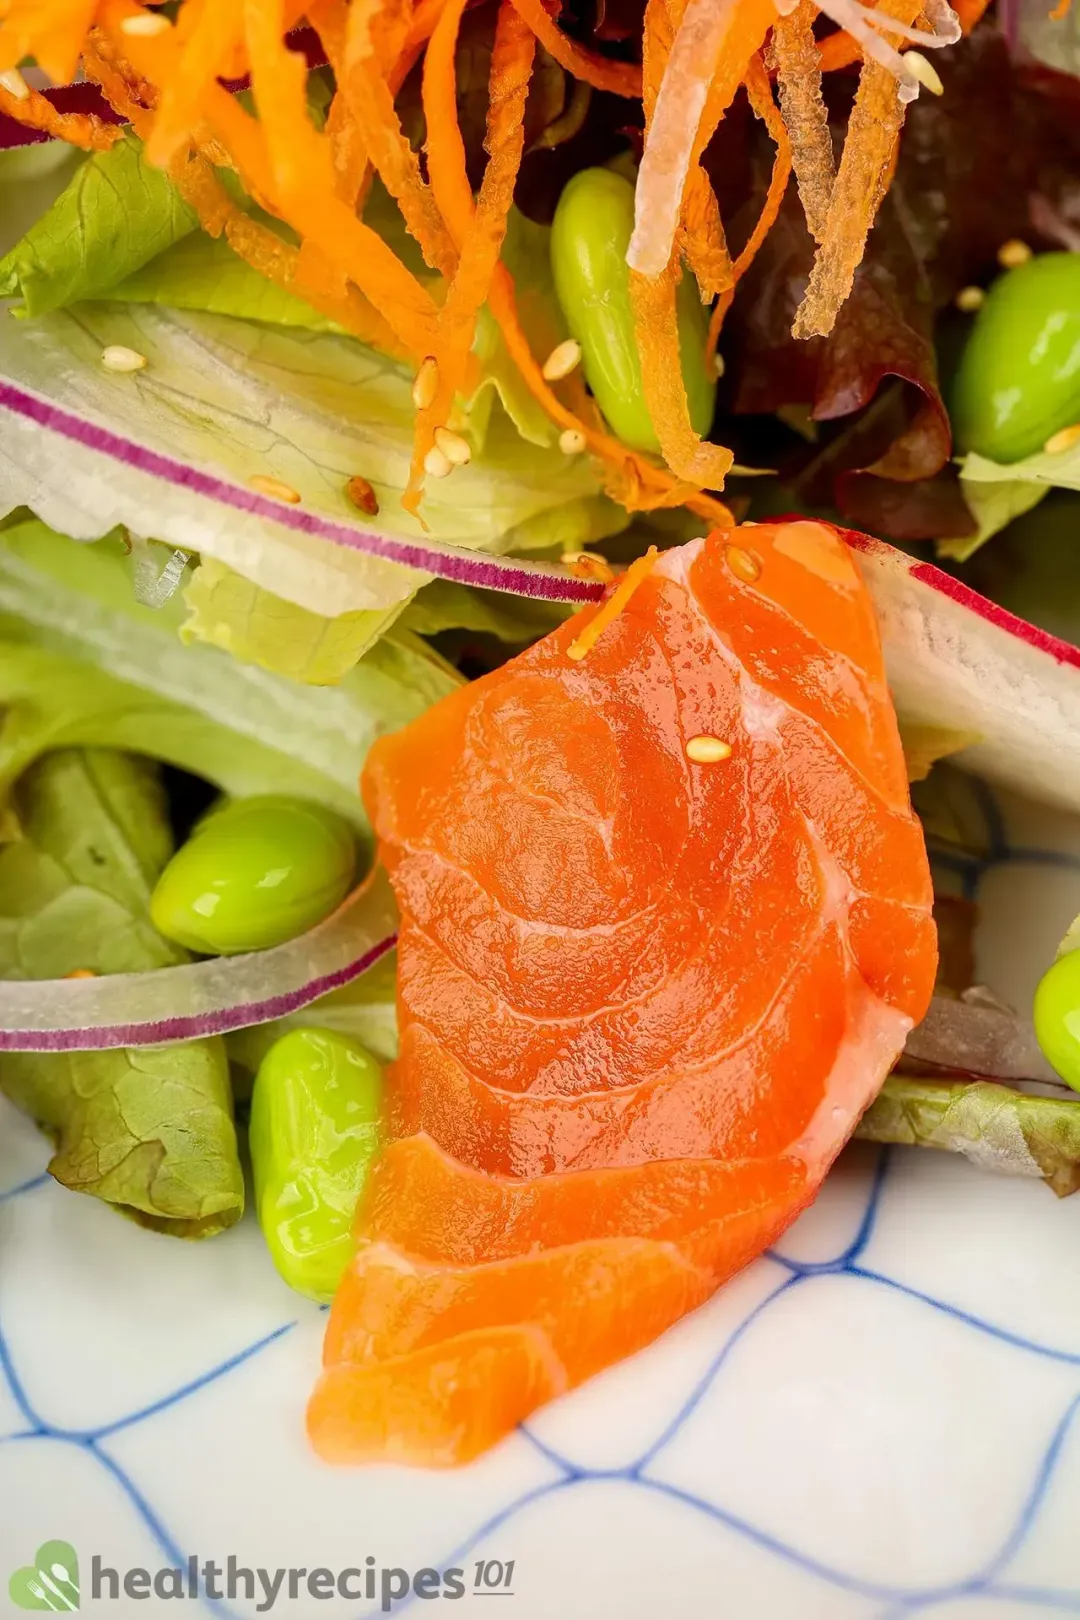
[(642, 1000)]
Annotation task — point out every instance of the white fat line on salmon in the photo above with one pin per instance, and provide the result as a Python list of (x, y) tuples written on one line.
[(876, 1032), (874, 1037)]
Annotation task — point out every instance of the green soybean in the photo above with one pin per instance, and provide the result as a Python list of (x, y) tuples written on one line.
[(590, 234), (1018, 381), (1057, 1017), (253, 874), (315, 1128)]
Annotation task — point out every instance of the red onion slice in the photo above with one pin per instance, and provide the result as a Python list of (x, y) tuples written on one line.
[(89, 438), (201, 998)]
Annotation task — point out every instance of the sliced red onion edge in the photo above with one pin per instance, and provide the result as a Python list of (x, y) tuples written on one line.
[(161, 983), (518, 577)]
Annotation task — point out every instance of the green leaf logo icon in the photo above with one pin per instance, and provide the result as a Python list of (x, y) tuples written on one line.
[(51, 1582)]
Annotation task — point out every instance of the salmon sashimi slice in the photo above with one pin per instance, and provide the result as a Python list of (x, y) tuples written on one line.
[(392, 1306), (433, 1209), (441, 1406), (646, 985)]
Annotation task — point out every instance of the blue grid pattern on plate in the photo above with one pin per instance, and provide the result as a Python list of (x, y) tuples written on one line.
[(989, 1582)]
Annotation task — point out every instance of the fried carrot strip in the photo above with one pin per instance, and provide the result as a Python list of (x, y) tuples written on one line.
[(511, 71), (287, 165), (798, 77), (631, 479), (704, 241), (761, 99), (371, 106), (703, 465), (620, 78), (760, 93), (36, 111), (869, 151), (279, 261)]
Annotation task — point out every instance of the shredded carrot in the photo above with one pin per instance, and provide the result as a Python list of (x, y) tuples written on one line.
[(371, 105), (621, 78), (167, 81), (702, 465), (761, 99), (869, 152), (36, 111), (609, 610), (704, 241), (1060, 11), (511, 71), (798, 77), (53, 32), (760, 93), (446, 152), (212, 31)]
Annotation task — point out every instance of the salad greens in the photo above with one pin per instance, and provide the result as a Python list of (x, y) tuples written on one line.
[(116, 214), (241, 371), (1013, 1132), (225, 610), (82, 662), (150, 1131)]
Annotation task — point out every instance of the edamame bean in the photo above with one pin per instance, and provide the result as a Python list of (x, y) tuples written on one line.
[(253, 874), (589, 238), (1018, 381), (1057, 1016), (315, 1123)]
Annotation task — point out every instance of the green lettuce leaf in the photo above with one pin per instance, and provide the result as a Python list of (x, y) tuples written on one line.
[(116, 214), (150, 1131), (446, 605), (83, 663), (203, 272), (994, 505), (225, 610), (1012, 1132)]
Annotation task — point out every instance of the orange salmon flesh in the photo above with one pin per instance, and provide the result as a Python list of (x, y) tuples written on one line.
[(647, 984)]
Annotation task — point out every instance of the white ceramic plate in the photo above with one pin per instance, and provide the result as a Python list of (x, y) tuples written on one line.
[(877, 1421)]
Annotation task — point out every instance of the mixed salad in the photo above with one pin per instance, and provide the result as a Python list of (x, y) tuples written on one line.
[(347, 348)]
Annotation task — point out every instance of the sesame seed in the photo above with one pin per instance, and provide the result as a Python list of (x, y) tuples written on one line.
[(13, 82), (969, 299), (719, 366), (1066, 439), (744, 564), (1013, 253), (426, 383), (362, 495), (457, 450), (572, 442), (926, 73), (436, 465), (118, 358), (588, 565), (707, 750), (562, 360), (276, 488), (147, 25)]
